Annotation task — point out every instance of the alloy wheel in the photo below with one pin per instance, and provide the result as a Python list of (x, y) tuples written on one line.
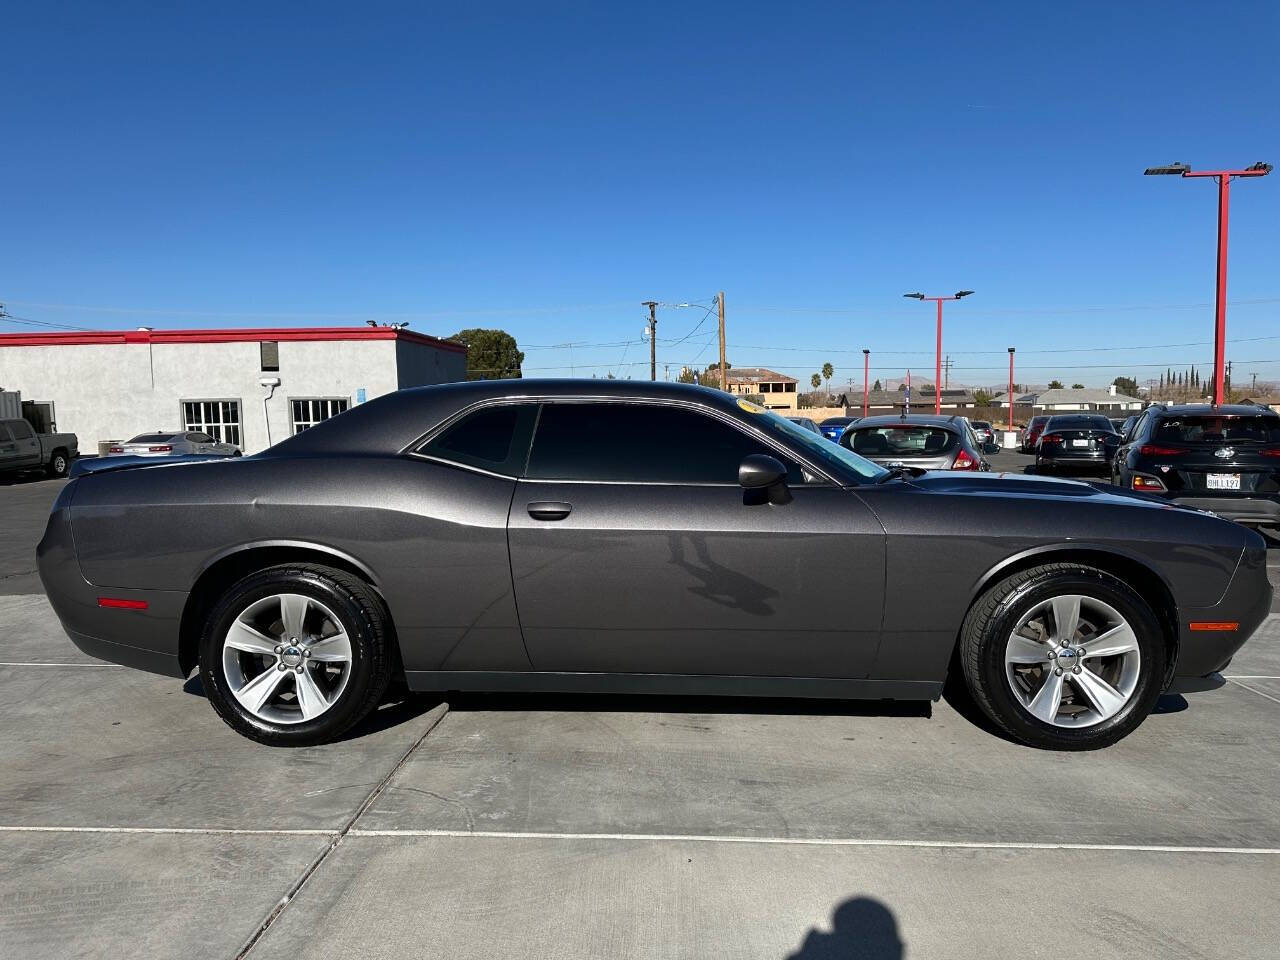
[(287, 658), (1073, 661)]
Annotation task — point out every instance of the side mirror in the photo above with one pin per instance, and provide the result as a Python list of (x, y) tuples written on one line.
[(990, 447), (763, 479), (760, 470)]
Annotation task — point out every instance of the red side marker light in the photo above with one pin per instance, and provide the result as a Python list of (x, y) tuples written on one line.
[(1214, 625), (121, 603)]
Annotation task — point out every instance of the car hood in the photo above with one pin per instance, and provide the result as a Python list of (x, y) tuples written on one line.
[(1030, 485)]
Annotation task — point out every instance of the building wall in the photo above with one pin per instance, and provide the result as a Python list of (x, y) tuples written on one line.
[(114, 391), (421, 364)]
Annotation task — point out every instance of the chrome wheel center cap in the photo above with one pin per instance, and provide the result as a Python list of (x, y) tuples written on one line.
[(1068, 657), (291, 657)]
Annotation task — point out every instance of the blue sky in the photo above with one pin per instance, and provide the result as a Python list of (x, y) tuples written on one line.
[(543, 168)]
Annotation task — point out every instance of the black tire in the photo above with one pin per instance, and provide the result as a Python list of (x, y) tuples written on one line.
[(995, 614), (59, 464), (363, 617)]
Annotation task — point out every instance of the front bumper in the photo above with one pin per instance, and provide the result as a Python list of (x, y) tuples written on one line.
[(1246, 603), (146, 639)]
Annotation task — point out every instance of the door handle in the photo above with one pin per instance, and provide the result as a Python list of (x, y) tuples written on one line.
[(549, 510)]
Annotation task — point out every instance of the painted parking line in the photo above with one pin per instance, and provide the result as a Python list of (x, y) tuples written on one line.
[(32, 663), (665, 838), (816, 841), (1254, 690)]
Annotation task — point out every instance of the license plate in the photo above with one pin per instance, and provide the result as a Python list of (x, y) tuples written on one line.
[(1223, 481), (1079, 443)]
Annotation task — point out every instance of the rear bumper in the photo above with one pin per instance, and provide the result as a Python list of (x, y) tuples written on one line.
[(145, 639), (1242, 509)]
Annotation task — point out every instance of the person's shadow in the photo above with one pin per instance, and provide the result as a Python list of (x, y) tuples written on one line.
[(861, 929)]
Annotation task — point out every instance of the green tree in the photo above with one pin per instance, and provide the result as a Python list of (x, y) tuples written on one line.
[(816, 380), (1077, 386), (491, 354), (1126, 385), (828, 371), (1055, 384), (981, 398), (877, 386), (902, 388)]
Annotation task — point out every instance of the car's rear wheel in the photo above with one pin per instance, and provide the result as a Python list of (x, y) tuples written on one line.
[(295, 655), (59, 464), (1063, 656)]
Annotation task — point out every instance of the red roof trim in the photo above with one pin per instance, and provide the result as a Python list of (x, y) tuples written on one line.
[(237, 335)]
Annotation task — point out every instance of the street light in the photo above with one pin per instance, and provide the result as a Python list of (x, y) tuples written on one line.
[(1224, 205), (937, 367)]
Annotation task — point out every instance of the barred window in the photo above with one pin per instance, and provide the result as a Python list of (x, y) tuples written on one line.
[(308, 412), (220, 419)]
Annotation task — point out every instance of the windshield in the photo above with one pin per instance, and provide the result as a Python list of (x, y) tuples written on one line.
[(1219, 429), (823, 451)]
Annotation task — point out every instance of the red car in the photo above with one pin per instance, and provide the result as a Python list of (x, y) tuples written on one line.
[(1032, 433)]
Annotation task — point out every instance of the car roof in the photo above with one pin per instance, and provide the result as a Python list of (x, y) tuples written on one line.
[(916, 419), (391, 422), (1208, 409)]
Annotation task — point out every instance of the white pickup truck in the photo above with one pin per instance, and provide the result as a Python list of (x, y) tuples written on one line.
[(21, 448)]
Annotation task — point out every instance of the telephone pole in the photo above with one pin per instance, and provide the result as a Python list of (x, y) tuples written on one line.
[(653, 338), (946, 370), (724, 374)]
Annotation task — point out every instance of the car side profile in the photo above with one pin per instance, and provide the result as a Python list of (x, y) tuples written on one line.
[(174, 443), (637, 537)]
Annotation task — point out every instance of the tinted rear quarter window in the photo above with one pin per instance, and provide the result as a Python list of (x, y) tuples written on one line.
[(640, 443), (491, 438)]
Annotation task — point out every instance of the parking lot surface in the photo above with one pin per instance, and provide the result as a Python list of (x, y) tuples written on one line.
[(134, 823)]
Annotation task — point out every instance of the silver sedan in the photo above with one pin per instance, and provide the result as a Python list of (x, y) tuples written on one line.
[(173, 445)]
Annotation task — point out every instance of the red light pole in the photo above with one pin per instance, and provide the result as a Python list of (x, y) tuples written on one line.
[(1009, 395), (1224, 205), (937, 367), (866, 371)]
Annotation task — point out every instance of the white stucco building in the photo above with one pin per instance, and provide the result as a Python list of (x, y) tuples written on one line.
[(111, 385)]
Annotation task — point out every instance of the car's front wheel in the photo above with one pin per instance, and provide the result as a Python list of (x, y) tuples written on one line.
[(1063, 656), (294, 655)]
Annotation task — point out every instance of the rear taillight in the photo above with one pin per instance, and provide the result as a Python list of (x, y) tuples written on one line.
[(1151, 450), (115, 450), (1273, 452), (1148, 483), (1049, 439), (964, 462), (163, 448)]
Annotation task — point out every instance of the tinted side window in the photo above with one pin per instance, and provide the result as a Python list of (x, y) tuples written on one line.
[(639, 443), (493, 438), (21, 429), (5, 435)]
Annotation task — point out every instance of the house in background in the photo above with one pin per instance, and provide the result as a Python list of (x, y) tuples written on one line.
[(1085, 399), (776, 391)]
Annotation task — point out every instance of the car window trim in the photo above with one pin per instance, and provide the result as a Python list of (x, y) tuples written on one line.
[(414, 449)]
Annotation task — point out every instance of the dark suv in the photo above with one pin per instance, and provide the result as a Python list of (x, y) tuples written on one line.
[(1225, 459)]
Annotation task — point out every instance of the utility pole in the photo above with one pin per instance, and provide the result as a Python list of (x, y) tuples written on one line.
[(1254, 388), (653, 338), (946, 368), (724, 374)]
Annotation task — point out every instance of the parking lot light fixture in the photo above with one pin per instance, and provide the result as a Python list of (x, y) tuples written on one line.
[(1224, 178), (937, 367)]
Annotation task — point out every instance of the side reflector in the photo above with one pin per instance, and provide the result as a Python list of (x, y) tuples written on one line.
[(1217, 625), (122, 603)]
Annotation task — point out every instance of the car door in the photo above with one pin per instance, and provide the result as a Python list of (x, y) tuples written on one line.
[(8, 449), (26, 445), (635, 550)]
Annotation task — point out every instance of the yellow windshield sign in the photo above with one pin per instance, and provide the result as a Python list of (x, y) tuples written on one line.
[(750, 407)]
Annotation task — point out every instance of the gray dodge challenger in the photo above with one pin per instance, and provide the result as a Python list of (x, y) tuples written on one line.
[(638, 537)]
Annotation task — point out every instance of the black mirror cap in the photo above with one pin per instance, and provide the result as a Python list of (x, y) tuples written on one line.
[(759, 471)]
